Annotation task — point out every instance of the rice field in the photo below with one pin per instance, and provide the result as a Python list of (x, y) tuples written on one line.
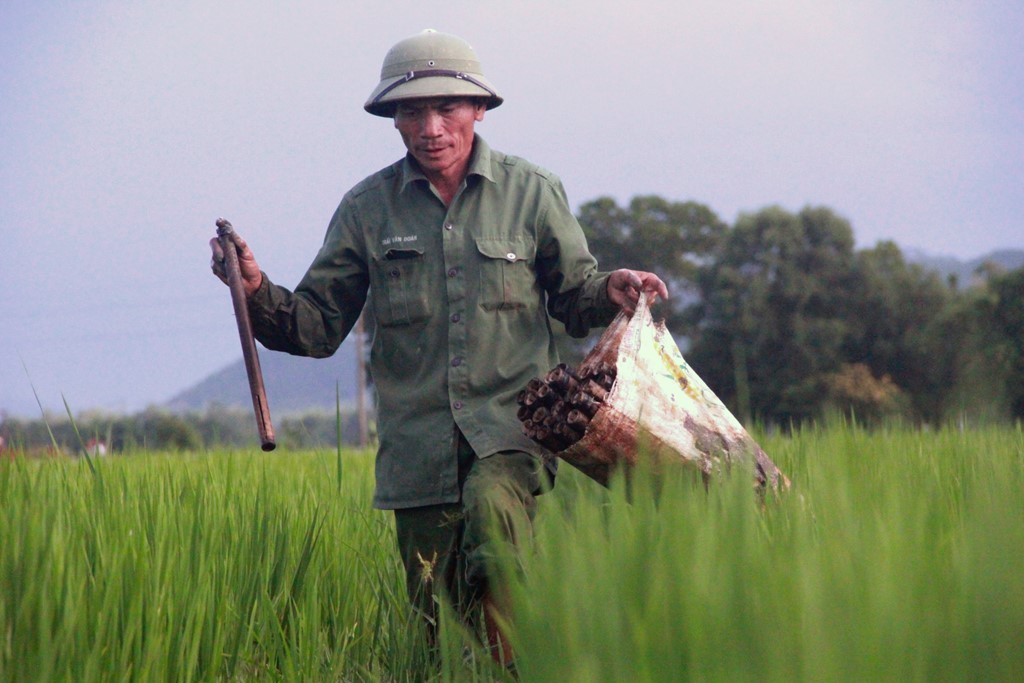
[(894, 556)]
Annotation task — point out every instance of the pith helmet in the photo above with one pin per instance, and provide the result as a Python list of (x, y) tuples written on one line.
[(429, 64)]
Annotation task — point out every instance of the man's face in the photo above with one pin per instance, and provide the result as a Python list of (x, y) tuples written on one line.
[(438, 132)]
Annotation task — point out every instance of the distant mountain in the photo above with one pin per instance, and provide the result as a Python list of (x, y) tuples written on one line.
[(294, 384), (965, 272)]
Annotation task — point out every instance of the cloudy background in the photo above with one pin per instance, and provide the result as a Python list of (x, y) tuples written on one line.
[(127, 128)]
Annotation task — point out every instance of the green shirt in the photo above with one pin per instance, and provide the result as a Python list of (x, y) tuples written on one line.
[(460, 296)]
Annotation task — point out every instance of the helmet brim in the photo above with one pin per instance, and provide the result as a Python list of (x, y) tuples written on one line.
[(423, 88)]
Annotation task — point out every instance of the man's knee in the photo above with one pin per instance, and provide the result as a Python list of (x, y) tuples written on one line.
[(502, 488), (499, 504)]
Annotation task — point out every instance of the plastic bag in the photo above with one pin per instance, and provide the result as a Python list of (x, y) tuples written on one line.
[(659, 408)]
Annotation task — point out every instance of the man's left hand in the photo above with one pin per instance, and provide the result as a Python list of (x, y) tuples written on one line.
[(625, 286)]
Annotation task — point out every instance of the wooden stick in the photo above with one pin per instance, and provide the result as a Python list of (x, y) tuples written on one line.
[(249, 353)]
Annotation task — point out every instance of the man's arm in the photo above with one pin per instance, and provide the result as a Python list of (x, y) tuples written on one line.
[(579, 295), (315, 318)]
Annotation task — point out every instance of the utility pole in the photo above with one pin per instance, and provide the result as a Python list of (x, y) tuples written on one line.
[(364, 428)]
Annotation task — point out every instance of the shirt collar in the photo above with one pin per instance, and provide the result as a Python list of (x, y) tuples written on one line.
[(479, 164)]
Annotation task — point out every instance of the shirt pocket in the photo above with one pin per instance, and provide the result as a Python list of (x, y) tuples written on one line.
[(400, 281), (507, 280)]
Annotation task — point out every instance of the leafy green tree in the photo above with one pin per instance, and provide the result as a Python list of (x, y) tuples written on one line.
[(1007, 324), (899, 326), (771, 317), (221, 425), (979, 346), (973, 357), (163, 430)]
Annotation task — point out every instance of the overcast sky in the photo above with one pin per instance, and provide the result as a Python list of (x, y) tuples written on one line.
[(127, 128)]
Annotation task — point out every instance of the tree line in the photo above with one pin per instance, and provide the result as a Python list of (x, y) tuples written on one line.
[(787, 322), (158, 428), (779, 314)]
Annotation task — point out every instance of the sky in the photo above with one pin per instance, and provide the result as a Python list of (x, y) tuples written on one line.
[(128, 128)]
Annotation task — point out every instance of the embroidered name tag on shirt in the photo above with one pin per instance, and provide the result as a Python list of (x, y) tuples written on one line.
[(388, 241)]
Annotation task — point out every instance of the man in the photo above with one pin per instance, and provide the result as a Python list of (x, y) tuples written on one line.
[(460, 253)]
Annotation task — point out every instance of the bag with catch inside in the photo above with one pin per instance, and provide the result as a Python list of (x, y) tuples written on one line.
[(635, 396)]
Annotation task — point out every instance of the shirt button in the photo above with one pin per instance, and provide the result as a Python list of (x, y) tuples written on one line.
[(457, 361), (448, 226), (457, 405), (510, 256), (456, 317), (452, 272)]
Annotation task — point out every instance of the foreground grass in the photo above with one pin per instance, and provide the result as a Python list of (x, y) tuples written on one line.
[(221, 566), (893, 557)]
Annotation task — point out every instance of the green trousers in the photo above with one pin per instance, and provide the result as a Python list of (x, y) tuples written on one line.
[(451, 549)]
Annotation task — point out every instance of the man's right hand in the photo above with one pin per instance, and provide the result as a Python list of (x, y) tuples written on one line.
[(252, 277)]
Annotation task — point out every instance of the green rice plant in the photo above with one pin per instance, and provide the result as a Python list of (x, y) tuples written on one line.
[(894, 556), (220, 566)]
